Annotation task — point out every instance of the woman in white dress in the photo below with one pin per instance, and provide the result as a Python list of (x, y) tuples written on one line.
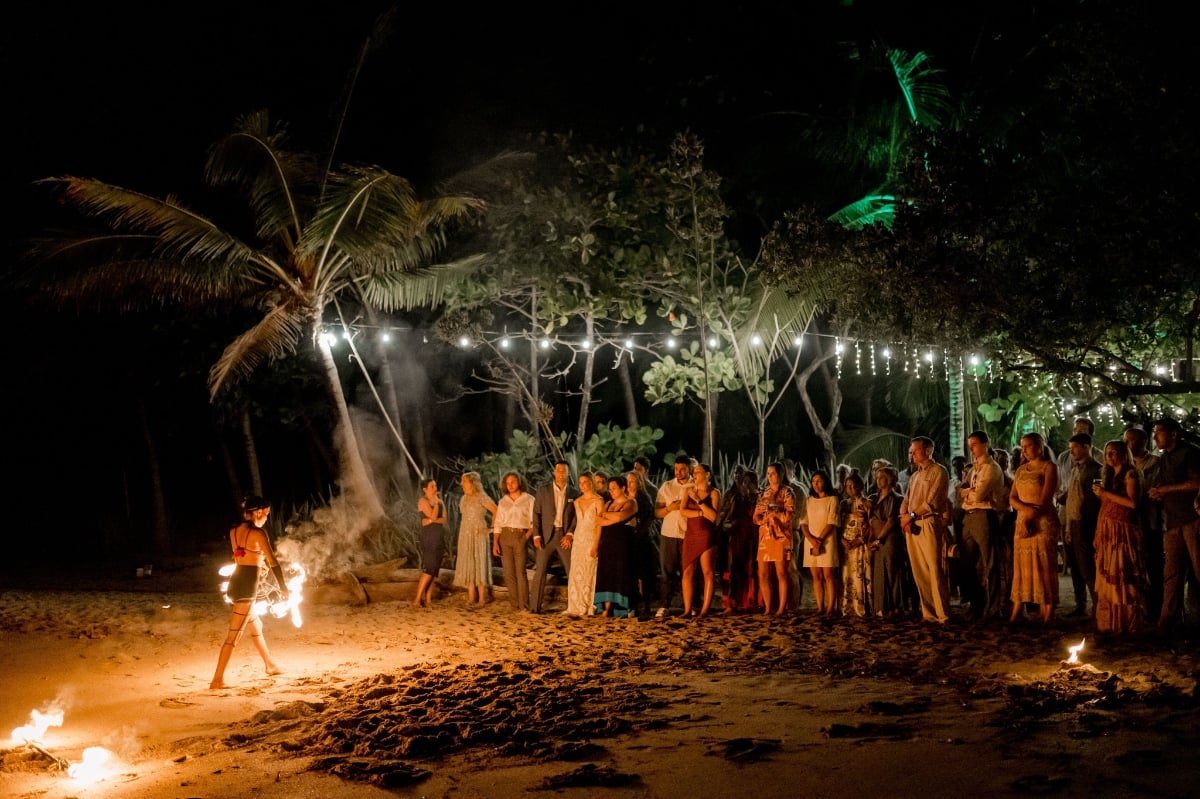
[(820, 525), (581, 581)]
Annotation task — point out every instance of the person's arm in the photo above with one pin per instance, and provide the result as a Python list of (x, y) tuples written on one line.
[(1129, 494), (1049, 487), (272, 562), (536, 520), (661, 508)]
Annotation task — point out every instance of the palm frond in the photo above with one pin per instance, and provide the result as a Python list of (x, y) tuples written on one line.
[(874, 209), (274, 336), (276, 183), (404, 289), (927, 98), (778, 318), (170, 251)]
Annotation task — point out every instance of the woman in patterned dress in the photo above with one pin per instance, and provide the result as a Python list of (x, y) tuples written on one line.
[(1121, 578), (473, 565), (774, 512), (856, 578)]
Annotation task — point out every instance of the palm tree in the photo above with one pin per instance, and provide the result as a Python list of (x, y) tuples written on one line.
[(313, 234)]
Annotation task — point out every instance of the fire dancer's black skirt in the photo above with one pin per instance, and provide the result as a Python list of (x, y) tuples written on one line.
[(243, 585)]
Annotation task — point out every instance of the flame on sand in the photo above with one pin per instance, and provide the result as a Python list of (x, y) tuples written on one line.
[(1075, 650), (92, 769), (39, 722)]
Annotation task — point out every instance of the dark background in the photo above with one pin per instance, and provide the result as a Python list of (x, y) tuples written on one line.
[(135, 93)]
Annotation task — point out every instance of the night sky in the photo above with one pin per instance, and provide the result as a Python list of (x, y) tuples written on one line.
[(135, 93)]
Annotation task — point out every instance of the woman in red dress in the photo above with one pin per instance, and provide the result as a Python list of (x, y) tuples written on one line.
[(701, 503)]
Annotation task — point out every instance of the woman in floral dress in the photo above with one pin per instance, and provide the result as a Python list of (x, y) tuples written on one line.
[(1121, 578), (473, 563)]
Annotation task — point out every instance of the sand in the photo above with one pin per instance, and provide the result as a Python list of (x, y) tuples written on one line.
[(385, 699)]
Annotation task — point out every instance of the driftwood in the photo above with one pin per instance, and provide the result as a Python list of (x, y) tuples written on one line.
[(391, 582)]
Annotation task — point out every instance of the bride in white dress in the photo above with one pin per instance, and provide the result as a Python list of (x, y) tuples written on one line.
[(581, 581)]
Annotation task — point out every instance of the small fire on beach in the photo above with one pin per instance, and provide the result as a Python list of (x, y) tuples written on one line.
[(92, 769), (1075, 650)]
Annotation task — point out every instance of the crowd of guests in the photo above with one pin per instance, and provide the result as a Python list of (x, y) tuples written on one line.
[(995, 530)]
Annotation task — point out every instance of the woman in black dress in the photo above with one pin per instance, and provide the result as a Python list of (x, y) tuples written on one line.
[(616, 585), (433, 541)]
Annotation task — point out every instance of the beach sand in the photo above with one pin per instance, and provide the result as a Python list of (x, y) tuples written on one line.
[(385, 699)]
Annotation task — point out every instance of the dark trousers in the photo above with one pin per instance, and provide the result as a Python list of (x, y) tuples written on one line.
[(1079, 537), (670, 552), (550, 549), (980, 572)]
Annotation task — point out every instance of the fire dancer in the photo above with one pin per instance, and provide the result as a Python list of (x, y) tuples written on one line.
[(251, 548)]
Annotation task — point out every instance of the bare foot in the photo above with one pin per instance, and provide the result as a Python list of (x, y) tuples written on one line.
[(216, 685), (274, 669)]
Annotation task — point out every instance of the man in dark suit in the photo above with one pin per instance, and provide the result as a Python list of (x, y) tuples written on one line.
[(553, 525)]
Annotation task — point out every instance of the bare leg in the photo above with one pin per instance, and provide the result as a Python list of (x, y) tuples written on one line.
[(689, 587), (472, 594), (765, 589), (422, 590), (260, 643), (237, 622), (818, 589), (784, 580), (710, 580)]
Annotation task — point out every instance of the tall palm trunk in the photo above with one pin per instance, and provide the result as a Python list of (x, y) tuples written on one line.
[(161, 529), (256, 483), (585, 392), (627, 394), (357, 484)]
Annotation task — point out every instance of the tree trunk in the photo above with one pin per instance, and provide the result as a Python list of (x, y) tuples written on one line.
[(958, 435), (585, 388), (627, 390), (160, 526), (256, 483), (357, 486), (822, 429)]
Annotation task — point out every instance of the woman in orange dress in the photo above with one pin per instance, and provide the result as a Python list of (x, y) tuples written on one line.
[(1035, 538), (774, 512)]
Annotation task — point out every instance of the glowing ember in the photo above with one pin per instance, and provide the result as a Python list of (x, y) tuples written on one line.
[(38, 724), (92, 769), (1075, 650)]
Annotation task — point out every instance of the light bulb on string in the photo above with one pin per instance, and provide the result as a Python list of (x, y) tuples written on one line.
[(756, 340), (628, 343), (857, 358), (385, 336), (837, 348), (872, 359), (712, 343), (544, 343), (505, 343)]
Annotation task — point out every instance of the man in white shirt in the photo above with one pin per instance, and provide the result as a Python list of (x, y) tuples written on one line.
[(984, 497), (512, 528), (670, 545)]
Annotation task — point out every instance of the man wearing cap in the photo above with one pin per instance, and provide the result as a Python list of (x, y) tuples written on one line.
[(1081, 510)]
